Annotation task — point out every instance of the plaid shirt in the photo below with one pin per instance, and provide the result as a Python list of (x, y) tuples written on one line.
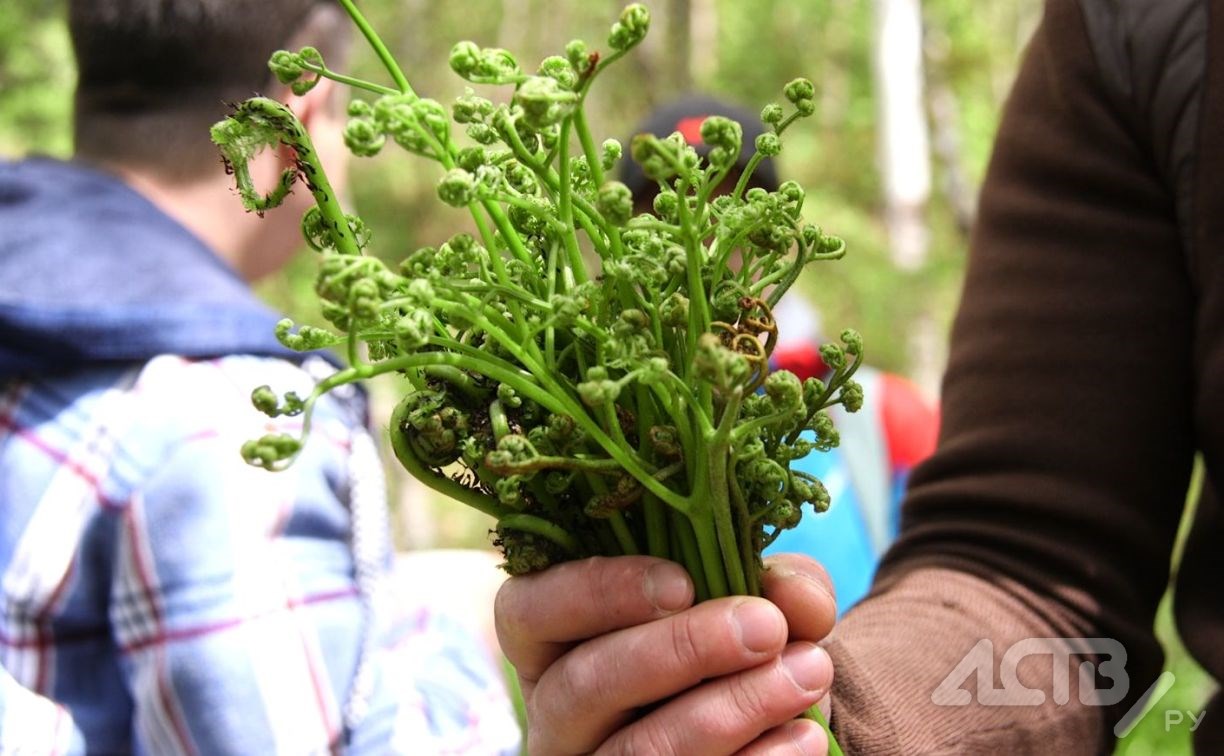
[(161, 596)]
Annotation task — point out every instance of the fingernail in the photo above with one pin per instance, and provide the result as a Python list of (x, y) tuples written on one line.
[(667, 587), (806, 736), (759, 624), (786, 573), (808, 666)]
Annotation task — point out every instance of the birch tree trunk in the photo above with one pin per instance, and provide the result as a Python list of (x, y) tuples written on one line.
[(679, 46), (904, 143), (905, 166), (703, 42)]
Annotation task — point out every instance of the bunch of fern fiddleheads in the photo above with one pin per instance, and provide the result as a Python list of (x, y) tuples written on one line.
[(620, 407)]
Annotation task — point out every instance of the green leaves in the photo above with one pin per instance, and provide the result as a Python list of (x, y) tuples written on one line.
[(630, 29), (307, 339), (290, 67), (544, 101), (615, 203), (664, 159), (768, 145), (471, 109), (435, 430), (772, 114), (725, 138), (457, 188), (271, 452), (364, 137), (484, 65), (598, 390), (798, 90), (266, 401), (722, 367)]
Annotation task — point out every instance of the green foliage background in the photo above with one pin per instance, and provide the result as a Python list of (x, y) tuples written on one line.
[(740, 51), (972, 50)]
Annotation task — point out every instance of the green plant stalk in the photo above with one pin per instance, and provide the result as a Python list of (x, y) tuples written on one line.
[(349, 81), (657, 530), (503, 225), (718, 446), (746, 176), (444, 154), (657, 535), (541, 527), (593, 160), (817, 716), (709, 551), (689, 554), (587, 216), (701, 519), (566, 208), (550, 332), (380, 49), (624, 537), (499, 270), (743, 533)]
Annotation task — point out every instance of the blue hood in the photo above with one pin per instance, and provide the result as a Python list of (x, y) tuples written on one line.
[(91, 271)]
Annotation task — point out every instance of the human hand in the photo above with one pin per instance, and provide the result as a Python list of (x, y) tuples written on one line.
[(613, 657)]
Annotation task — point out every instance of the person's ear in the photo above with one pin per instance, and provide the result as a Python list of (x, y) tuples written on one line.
[(324, 117), (319, 102), (315, 109)]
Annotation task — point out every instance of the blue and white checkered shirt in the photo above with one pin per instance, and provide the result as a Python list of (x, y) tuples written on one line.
[(161, 596)]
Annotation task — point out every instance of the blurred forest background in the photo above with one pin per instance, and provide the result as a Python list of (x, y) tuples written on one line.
[(909, 95), (952, 67)]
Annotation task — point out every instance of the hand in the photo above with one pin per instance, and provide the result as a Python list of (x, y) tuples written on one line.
[(613, 658)]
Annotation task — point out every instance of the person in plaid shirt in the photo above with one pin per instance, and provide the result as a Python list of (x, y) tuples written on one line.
[(158, 595)]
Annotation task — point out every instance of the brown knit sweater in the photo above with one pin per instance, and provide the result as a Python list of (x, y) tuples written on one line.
[(1087, 367)]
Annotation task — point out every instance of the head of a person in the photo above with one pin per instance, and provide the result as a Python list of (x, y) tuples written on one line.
[(154, 75), (685, 115)]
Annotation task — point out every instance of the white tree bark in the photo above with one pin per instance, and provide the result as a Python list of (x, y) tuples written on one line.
[(703, 24), (905, 165), (678, 32), (904, 142)]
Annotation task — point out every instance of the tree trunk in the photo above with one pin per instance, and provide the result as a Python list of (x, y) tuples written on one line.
[(703, 42), (679, 35), (957, 188), (904, 144), (905, 166)]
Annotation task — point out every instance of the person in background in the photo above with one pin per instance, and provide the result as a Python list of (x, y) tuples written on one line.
[(158, 594), (880, 444)]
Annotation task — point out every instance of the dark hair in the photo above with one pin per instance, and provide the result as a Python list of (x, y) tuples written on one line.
[(154, 75), (686, 115)]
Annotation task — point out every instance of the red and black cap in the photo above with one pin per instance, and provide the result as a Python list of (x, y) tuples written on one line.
[(685, 116)]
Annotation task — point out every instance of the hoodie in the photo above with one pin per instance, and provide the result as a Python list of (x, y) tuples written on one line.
[(92, 273)]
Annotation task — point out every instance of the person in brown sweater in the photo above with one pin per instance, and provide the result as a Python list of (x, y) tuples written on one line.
[(1086, 370)]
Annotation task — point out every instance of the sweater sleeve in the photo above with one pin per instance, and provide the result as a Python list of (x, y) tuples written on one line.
[(1051, 505)]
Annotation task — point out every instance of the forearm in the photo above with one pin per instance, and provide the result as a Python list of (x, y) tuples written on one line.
[(893, 697), (1050, 507)]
